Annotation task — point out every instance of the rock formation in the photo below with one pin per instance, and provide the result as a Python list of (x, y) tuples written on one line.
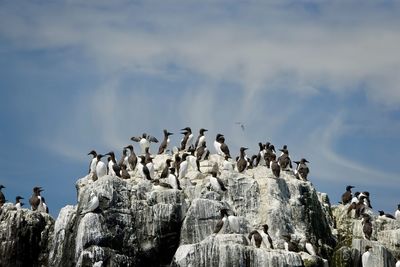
[(138, 223)]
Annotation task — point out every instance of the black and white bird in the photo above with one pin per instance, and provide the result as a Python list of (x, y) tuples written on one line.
[(187, 139), (164, 144), (150, 167), (284, 160), (224, 147), (101, 167), (93, 162), (18, 203), (261, 237), (260, 155), (367, 226), (34, 201), (386, 215), (201, 138), (165, 171), (217, 144), (173, 180), (216, 183), (202, 152), (124, 172), (124, 157), (397, 213), (347, 196), (242, 162), (132, 158), (183, 166), (269, 153), (2, 197), (142, 168), (144, 141), (290, 245), (113, 168), (302, 169), (274, 166), (227, 221)]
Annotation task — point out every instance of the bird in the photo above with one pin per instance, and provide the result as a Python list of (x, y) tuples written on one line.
[(217, 144), (173, 180), (164, 144), (34, 201), (113, 168), (92, 205), (274, 166), (284, 160), (226, 221), (302, 169), (240, 124), (269, 153), (216, 183), (202, 152), (93, 162), (289, 244), (260, 155), (367, 201), (2, 197), (187, 139), (124, 157), (242, 162), (183, 166), (366, 258), (261, 237), (165, 171), (101, 167), (386, 215), (124, 172), (150, 167), (397, 213), (227, 165), (143, 170), (224, 148), (367, 226), (347, 196), (18, 203), (201, 138), (132, 158), (42, 207), (177, 162), (144, 141), (353, 203), (161, 185)]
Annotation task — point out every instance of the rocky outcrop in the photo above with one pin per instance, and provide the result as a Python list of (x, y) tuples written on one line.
[(24, 237)]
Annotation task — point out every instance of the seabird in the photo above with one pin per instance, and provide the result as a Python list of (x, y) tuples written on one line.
[(177, 162), (250, 162), (302, 169), (273, 164), (269, 153), (143, 170), (347, 196), (260, 155), (93, 162), (242, 162), (150, 167), (183, 166), (227, 165), (92, 205), (353, 203), (200, 139), (124, 172), (18, 203), (124, 157), (101, 167), (187, 139), (367, 201), (165, 171), (216, 182), (367, 226), (224, 148), (164, 144), (2, 197), (366, 257), (113, 168), (202, 152), (284, 160), (289, 244), (132, 159), (360, 206), (217, 144), (397, 213), (261, 237), (144, 141), (173, 180), (161, 185), (42, 207), (386, 215), (34, 200), (227, 220)]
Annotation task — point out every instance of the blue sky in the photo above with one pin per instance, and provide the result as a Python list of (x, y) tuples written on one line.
[(319, 76)]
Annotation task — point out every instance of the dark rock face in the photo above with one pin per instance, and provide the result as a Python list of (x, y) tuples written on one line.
[(24, 236)]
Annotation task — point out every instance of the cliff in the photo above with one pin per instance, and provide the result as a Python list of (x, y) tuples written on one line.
[(138, 223)]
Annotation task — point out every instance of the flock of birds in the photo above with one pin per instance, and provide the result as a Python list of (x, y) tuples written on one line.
[(360, 203), (190, 153)]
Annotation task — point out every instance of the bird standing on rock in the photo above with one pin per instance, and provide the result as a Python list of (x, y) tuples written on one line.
[(261, 237), (2, 197), (347, 196), (187, 139), (164, 144), (242, 162), (18, 203)]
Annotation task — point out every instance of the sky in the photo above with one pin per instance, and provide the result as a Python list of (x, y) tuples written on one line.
[(319, 76)]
